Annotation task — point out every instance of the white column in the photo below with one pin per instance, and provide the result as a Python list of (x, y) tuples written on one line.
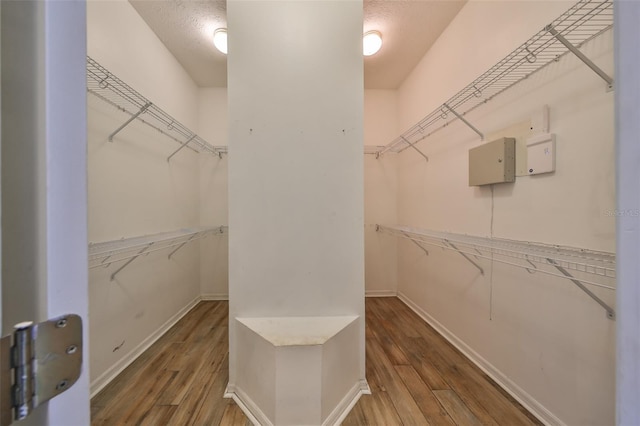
[(627, 91), (295, 90)]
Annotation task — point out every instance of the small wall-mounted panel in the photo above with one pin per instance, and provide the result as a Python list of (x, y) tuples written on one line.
[(541, 154), (493, 162)]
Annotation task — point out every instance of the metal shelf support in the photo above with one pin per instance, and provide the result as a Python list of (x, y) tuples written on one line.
[(413, 145), (417, 244), (182, 245), (450, 244), (588, 62), (610, 312), (113, 276), (464, 120), (126, 123), (181, 146)]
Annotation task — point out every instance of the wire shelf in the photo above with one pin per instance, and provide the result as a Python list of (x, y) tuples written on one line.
[(581, 23), (108, 87), (573, 259), (104, 254), (547, 259)]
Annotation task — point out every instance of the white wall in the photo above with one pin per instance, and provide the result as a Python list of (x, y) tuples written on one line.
[(296, 246), (134, 191), (213, 122), (547, 341), (380, 127)]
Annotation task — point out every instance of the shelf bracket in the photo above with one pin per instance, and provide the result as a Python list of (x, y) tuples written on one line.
[(471, 126), (416, 243), (181, 146), (126, 123), (611, 314), (588, 62), (412, 145), (182, 245), (113, 276), (450, 244)]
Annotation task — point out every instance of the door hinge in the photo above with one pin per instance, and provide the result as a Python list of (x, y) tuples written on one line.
[(37, 363)]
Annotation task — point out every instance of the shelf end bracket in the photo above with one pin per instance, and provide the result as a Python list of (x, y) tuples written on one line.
[(133, 117), (416, 243), (450, 244), (413, 145), (113, 276), (611, 314), (464, 120), (185, 143), (588, 62)]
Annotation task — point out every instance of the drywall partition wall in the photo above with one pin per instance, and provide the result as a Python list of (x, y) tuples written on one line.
[(296, 245), (380, 126), (134, 191), (545, 340), (213, 124)]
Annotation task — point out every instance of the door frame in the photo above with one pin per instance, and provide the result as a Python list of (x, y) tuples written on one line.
[(44, 177)]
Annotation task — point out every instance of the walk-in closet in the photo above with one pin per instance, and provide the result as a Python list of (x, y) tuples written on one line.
[(283, 231)]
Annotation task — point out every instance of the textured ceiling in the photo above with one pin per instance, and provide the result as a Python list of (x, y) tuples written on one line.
[(408, 27)]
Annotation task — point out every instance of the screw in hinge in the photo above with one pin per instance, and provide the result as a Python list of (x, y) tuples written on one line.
[(62, 385), (61, 323), (72, 349)]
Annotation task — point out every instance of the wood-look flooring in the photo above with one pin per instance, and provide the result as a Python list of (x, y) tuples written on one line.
[(416, 377)]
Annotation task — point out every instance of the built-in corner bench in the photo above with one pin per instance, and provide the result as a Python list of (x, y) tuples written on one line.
[(298, 370)]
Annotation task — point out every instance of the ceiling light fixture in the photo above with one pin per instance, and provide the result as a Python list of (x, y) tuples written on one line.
[(371, 43), (220, 39)]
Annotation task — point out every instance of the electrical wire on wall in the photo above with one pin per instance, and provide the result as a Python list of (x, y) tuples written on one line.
[(491, 268)]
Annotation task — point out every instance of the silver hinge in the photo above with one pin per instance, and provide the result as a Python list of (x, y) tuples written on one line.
[(37, 363)]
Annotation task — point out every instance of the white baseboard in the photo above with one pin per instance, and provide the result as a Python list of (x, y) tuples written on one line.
[(337, 416), (380, 293), (347, 403), (529, 402), (248, 407), (100, 382), (215, 296)]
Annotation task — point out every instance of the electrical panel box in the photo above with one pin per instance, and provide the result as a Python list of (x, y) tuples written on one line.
[(493, 162), (541, 154)]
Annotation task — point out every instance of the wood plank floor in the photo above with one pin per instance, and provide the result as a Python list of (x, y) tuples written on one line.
[(416, 376)]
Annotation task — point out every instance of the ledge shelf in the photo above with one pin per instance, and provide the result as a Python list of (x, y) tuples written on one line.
[(106, 86), (581, 23), (128, 249), (558, 261)]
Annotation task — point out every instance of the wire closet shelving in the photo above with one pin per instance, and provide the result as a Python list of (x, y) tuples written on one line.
[(581, 23), (128, 249), (108, 87), (555, 260)]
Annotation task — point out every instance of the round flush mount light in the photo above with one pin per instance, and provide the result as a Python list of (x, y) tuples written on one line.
[(220, 39), (371, 43)]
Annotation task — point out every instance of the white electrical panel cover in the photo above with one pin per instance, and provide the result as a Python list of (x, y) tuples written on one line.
[(541, 154), (493, 162)]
